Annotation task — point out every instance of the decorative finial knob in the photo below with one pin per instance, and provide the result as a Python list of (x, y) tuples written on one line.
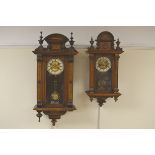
[(41, 39), (53, 121), (39, 115), (91, 42), (117, 43), (71, 40), (71, 35)]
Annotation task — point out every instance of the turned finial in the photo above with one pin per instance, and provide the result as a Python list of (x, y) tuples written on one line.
[(53, 121), (71, 40), (41, 39), (39, 115), (117, 43), (91, 42)]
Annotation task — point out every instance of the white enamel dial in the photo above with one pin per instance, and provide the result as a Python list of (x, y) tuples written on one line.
[(55, 66), (103, 64)]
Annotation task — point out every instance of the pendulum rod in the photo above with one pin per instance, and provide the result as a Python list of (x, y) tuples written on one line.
[(98, 118)]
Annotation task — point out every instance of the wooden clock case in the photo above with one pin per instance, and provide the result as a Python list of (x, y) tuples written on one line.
[(104, 48), (56, 48)]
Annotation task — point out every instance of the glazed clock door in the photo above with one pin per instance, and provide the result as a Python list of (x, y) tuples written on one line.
[(55, 81), (103, 74)]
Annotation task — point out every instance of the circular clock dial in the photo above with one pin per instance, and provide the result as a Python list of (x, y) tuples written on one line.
[(103, 64), (55, 66)]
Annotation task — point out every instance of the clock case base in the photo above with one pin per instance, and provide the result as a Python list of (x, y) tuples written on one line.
[(53, 113), (101, 97)]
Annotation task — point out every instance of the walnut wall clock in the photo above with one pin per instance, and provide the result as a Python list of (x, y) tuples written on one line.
[(55, 76), (103, 68)]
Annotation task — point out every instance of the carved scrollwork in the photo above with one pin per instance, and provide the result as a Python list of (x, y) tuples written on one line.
[(116, 98), (54, 115), (101, 100)]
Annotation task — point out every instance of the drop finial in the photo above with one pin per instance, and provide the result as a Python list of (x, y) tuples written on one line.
[(53, 121), (39, 115)]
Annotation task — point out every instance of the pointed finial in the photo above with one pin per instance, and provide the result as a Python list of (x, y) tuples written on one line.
[(91, 42), (71, 35), (53, 121), (41, 39), (39, 115), (71, 40), (117, 43)]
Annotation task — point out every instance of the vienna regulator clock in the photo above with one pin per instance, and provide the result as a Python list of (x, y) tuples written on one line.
[(103, 68), (55, 76)]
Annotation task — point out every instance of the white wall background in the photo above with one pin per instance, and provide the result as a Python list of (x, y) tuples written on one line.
[(134, 109)]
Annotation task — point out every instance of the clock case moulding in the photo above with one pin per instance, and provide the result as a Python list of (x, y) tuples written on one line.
[(104, 48), (56, 48)]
